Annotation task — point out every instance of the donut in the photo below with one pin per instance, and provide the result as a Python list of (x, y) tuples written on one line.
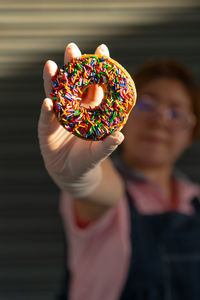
[(70, 84)]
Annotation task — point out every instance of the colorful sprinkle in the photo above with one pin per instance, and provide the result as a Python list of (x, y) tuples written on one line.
[(70, 83)]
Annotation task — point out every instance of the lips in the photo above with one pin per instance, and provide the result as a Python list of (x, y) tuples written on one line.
[(155, 139)]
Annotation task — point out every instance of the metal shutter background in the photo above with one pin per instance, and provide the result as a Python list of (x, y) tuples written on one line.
[(31, 249)]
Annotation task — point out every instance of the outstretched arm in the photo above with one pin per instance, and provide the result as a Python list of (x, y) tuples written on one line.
[(79, 167)]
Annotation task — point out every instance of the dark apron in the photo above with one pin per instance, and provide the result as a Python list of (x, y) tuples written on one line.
[(165, 259)]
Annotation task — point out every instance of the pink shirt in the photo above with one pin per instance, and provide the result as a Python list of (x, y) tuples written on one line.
[(99, 255)]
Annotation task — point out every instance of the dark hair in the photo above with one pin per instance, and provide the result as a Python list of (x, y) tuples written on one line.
[(168, 68)]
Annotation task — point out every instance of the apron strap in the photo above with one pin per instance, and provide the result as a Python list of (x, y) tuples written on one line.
[(141, 280)]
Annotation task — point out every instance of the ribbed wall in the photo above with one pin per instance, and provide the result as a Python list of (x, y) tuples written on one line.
[(31, 251)]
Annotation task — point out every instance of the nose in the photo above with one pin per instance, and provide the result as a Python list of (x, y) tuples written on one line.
[(160, 116)]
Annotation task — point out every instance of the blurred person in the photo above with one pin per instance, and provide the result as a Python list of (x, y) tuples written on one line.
[(132, 226)]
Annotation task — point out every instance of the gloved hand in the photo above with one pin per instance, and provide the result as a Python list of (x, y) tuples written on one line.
[(73, 163)]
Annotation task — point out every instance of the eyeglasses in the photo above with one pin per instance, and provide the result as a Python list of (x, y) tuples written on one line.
[(151, 108)]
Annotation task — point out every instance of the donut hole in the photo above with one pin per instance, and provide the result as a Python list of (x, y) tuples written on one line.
[(92, 96)]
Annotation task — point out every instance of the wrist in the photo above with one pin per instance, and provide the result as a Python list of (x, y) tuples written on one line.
[(80, 187)]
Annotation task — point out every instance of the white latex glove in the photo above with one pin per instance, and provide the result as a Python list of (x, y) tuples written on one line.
[(73, 163)]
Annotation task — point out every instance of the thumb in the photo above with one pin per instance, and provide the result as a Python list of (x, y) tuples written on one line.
[(101, 150)]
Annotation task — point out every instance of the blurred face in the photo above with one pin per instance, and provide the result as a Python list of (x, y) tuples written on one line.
[(160, 126)]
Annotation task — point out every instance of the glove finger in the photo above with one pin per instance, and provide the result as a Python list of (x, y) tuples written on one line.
[(95, 92), (101, 150), (71, 52), (102, 50), (94, 96), (47, 115), (49, 71)]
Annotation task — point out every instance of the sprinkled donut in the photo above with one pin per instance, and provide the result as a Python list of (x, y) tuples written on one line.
[(71, 82)]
